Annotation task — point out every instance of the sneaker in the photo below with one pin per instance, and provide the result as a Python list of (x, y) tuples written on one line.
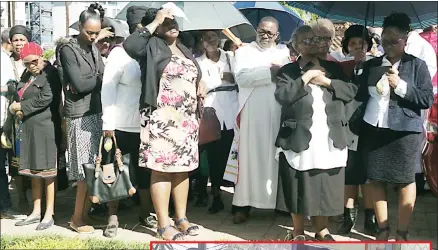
[(12, 215)]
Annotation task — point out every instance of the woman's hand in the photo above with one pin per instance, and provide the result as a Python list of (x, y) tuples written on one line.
[(19, 115), (162, 15), (310, 74), (15, 106), (321, 80), (104, 33), (359, 56), (393, 77), (202, 89)]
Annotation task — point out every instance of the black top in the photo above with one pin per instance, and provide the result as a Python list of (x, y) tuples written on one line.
[(81, 72), (296, 112), (404, 114), (153, 54)]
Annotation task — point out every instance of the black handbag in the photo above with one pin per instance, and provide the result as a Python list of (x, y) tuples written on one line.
[(108, 182)]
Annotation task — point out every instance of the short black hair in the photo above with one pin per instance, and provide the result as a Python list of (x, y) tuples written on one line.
[(95, 11), (398, 20), (356, 31), (228, 45), (149, 17)]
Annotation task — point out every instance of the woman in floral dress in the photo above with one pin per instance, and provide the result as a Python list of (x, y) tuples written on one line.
[(169, 116)]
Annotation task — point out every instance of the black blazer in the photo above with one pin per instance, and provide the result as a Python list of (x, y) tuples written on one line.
[(404, 114), (297, 111), (153, 55)]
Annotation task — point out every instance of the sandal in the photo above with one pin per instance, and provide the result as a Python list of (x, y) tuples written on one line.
[(383, 234), (192, 230), (401, 235), (111, 229), (160, 232)]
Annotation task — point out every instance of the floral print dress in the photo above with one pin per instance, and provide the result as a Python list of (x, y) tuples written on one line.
[(169, 134)]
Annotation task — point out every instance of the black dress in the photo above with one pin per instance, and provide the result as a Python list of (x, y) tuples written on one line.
[(40, 130)]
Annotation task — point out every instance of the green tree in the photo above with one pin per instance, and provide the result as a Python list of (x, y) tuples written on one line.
[(48, 54), (307, 17)]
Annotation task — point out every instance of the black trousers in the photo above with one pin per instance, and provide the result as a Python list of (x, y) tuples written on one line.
[(217, 153), (129, 144)]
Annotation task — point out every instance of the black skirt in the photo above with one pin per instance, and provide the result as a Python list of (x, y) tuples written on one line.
[(314, 192), (390, 156), (355, 173)]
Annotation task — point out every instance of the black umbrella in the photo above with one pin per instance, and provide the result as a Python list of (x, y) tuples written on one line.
[(423, 14)]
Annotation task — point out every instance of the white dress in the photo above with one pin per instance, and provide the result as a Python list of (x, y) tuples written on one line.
[(259, 125)]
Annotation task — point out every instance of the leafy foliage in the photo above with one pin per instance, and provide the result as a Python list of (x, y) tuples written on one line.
[(307, 17), (60, 242)]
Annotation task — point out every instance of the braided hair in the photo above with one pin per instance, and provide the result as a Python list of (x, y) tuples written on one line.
[(94, 12)]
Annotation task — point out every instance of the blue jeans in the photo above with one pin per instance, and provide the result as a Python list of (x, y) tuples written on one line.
[(5, 197)]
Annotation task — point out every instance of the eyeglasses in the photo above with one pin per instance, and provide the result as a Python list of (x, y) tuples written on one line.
[(267, 33), (392, 43), (315, 40), (33, 62)]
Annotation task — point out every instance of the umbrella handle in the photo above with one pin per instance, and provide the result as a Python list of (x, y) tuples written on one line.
[(232, 37)]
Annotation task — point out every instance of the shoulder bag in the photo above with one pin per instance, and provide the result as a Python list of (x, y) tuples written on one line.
[(108, 182)]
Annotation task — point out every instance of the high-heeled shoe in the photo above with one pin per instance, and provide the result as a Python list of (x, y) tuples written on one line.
[(401, 235), (350, 216), (383, 234)]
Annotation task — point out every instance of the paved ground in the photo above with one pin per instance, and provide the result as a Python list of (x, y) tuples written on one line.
[(263, 225)]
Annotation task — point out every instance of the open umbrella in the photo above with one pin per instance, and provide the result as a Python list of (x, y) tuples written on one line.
[(121, 28), (255, 11), (422, 13), (205, 16)]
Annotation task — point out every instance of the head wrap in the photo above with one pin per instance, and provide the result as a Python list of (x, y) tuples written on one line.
[(19, 29), (134, 14), (31, 49)]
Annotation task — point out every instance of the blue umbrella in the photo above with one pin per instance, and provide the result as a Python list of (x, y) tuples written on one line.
[(255, 11), (422, 13)]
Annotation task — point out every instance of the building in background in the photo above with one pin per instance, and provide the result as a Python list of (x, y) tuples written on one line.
[(39, 20), (20, 14), (112, 8)]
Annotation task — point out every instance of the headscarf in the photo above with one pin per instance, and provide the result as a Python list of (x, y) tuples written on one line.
[(31, 49), (19, 29), (134, 14)]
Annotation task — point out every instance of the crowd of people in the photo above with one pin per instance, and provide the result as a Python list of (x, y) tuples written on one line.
[(307, 126)]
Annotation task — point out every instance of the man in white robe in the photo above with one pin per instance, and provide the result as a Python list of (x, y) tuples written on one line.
[(256, 64)]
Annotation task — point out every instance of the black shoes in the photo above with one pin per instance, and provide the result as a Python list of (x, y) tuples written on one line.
[(217, 205), (350, 216), (370, 223)]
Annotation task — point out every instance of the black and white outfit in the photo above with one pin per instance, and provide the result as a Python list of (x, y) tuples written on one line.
[(121, 89), (313, 139), (223, 97), (392, 131), (81, 73)]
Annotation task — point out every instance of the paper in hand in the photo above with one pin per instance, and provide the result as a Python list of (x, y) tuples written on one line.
[(176, 11)]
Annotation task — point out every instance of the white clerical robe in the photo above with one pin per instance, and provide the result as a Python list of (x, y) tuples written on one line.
[(259, 124)]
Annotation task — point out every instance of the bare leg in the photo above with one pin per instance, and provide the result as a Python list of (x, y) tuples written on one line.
[(381, 208), (160, 191), (37, 193), (81, 196), (180, 191), (320, 224), (50, 199), (350, 195), (406, 204), (298, 223), (367, 196), (21, 190)]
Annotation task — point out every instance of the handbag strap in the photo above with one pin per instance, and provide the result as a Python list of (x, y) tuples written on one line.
[(118, 157)]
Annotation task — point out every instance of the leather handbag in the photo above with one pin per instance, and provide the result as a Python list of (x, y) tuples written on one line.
[(108, 182), (209, 125)]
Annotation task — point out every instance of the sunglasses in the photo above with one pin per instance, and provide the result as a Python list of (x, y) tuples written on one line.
[(33, 62), (267, 33)]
